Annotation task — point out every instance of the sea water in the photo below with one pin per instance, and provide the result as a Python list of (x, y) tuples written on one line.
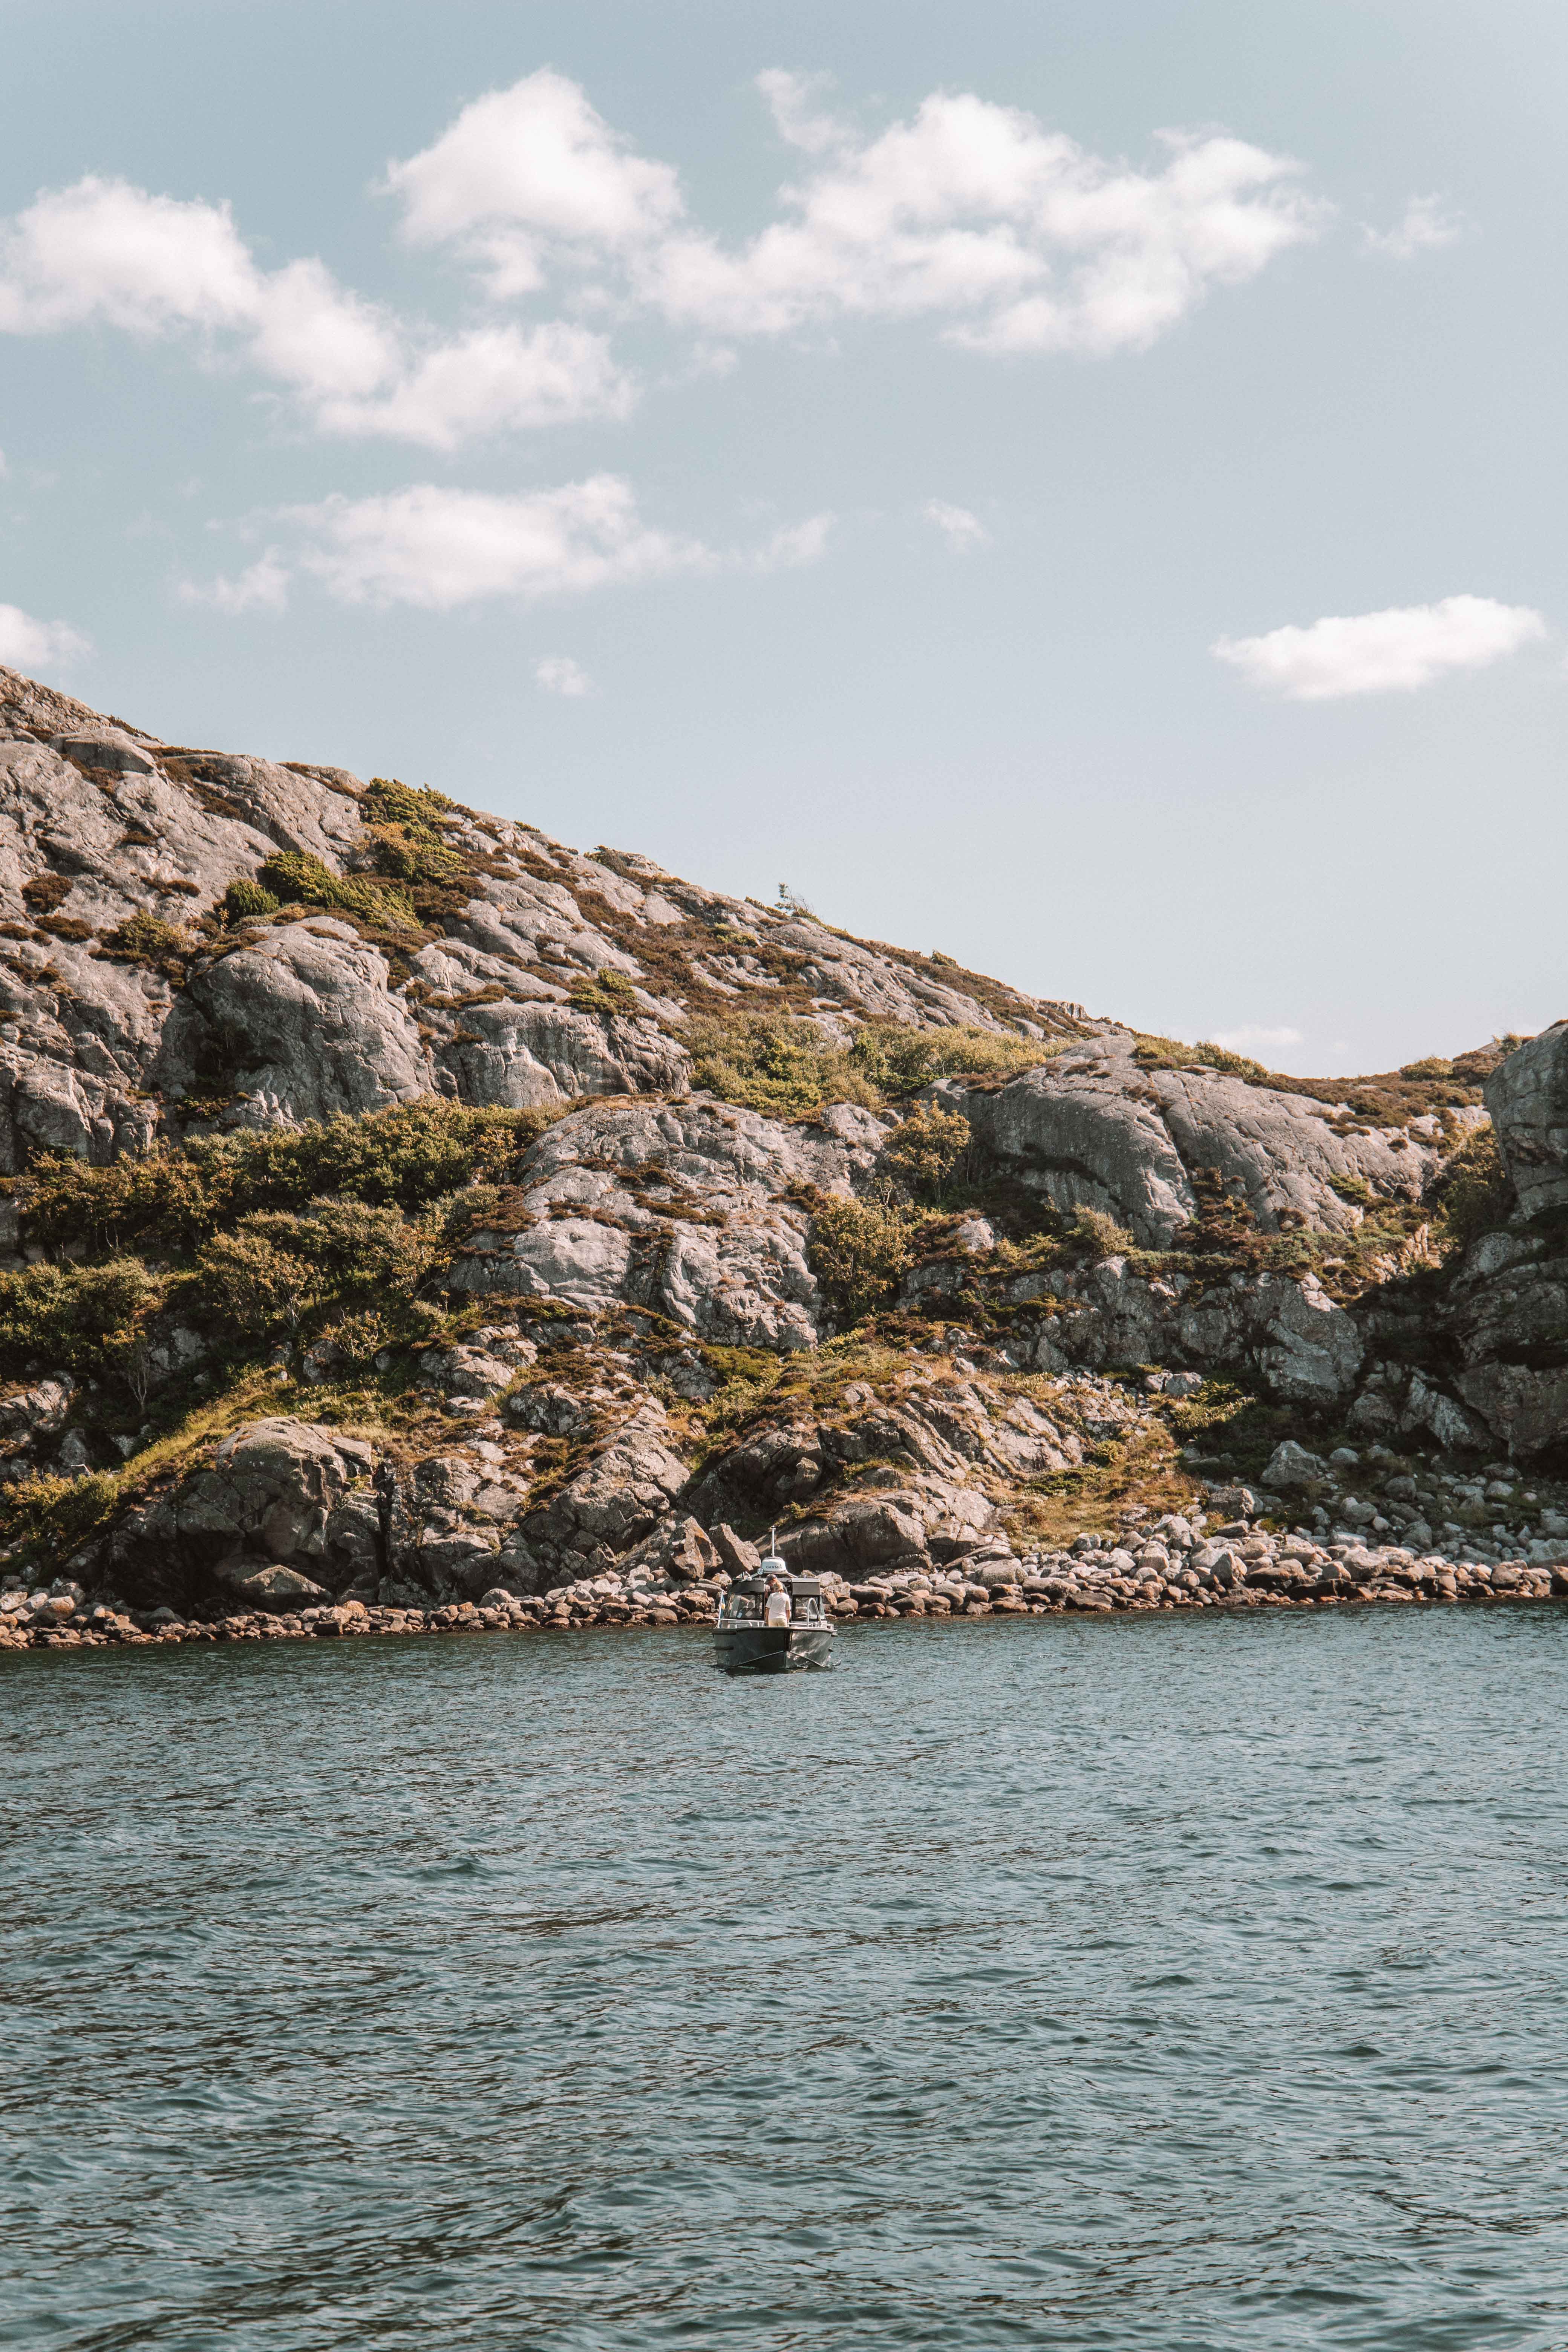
[(1175, 1984)]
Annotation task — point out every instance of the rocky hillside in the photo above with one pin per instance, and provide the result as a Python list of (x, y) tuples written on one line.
[(401, 1202)]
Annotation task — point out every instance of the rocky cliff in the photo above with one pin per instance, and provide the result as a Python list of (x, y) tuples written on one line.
[(402, 1202)]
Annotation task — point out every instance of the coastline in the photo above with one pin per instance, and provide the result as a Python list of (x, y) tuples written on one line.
[(1250, 1571)]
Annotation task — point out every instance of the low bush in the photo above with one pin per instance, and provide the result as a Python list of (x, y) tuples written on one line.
[(859, 1251), (788, 1067), (141, 937), (245, 897), (898, 1060), (248, 1283), (927, 1150), (1100, 1231), (774, 1063), (407, 1157), (279, 1264), (73, 1318), (419, 809), (296, 878), (602, 993)]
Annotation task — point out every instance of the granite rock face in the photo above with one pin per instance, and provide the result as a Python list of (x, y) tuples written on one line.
[(687, 1209), (1091, 1128), (1527, 1098)]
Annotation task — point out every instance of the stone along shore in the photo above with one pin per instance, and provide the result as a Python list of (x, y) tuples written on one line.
[(1177, 1564)]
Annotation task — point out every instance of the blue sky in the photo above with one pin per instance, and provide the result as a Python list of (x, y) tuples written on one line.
[(1077, 486)]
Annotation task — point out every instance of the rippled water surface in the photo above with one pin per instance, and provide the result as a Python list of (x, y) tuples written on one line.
[(1142, 1983)]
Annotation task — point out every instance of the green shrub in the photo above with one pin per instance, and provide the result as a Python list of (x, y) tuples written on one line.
[(605, 992), (1229, 1064), (248, 1283), (1101, 1231), (788, 1067), (859, 1251), (72, 1318), (1472, 1191), (407, 1157), (897, 1059), (1170, 1054), (418, 808), (298, 879), (143, 939), (245, 897), (773, 1063), (416, 858), (280, 1263), (926, 1149)]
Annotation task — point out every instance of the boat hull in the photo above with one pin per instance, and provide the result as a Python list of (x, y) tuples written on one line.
[(773, 1649)]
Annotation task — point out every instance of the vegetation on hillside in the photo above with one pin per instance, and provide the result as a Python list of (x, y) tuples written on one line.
[(789, 1067)]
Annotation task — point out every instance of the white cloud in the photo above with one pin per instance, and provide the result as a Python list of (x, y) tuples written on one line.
[(494, 379), (962, 530), (29, 644), (1383, 653), (1425, 227), (558, 674), (525, 171), (795, 544), (1004, 234), (104, 252), (439, 548), (261, 587), (1243, 1040), (971, 213)]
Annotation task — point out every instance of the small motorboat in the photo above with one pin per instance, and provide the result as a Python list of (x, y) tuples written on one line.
[(773, 1624)]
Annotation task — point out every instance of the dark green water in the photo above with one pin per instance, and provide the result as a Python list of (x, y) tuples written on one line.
[(1177, 1984)]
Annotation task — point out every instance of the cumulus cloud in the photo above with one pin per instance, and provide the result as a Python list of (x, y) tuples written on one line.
[(1002, 234), (526, 172), (439, 548), (962, 530), (1382, 653), (103, 252), (1010, 235), (261, 587), (30, 644), (558, 674), (1243, 1040), (1425, 227)]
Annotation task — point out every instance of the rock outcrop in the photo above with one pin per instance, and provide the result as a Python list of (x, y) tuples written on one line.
[(1095, 1129), (1061, 1260)]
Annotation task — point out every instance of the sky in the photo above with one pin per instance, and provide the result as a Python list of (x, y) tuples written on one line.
[(1076, 484)]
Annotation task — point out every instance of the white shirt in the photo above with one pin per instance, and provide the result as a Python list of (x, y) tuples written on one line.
[(777, 1613)]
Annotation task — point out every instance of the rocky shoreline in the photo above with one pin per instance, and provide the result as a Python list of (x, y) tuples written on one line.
[(1180, 1566)]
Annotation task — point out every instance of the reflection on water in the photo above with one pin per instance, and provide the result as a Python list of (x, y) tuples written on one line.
[(1127, 1984)]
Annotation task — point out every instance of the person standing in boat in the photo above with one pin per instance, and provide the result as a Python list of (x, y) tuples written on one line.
[(776, 1611)]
